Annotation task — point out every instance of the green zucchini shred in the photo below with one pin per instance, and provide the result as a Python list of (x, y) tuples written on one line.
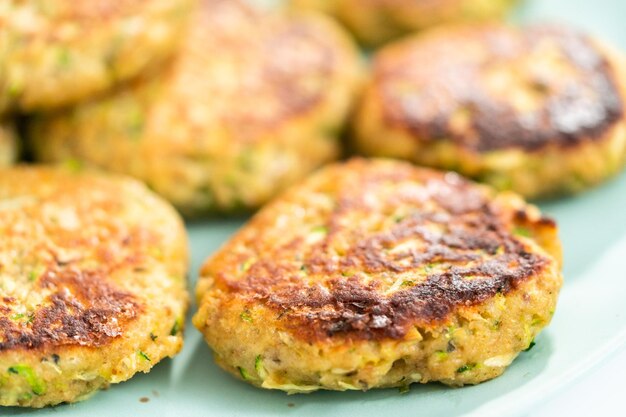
[(73, 165), (441, 355), (245, 316), (320, 229), (258, 363), (466, 367), (175, 328), (243, 373), (64, 58), (522, 231), (530, 345), (36, 384), (404, 389)]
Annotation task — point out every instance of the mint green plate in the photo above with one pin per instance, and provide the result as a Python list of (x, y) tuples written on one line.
[(588, 325)]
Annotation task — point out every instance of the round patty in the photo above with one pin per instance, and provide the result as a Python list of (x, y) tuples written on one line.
[(378, 274), (8, 144), (378, 21), (58, 52), (92, 283), (253, 103), (538, 110)]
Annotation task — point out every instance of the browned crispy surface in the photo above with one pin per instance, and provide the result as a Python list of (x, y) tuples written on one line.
[(71, 247), (82, 309), (494, 87), (369, 249)]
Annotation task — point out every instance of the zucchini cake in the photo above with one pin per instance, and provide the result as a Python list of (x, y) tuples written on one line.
[(92, 283), (538, 110), (252, 103), (376, 273), (58, 52)]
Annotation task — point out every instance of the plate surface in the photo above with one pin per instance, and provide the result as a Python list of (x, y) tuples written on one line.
[(587, 327)]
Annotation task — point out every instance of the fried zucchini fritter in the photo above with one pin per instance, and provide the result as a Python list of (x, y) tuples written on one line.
[(92, 283), (59, 52), (253, 103), (537, 110), (378, 274)]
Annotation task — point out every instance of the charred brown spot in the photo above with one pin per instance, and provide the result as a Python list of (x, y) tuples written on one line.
[(571, 109), (361, 311), (454, 241), (71, 244), (82, 309)]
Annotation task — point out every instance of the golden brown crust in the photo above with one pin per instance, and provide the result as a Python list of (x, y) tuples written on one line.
[(494, 87), (69, 251), (367, 250)]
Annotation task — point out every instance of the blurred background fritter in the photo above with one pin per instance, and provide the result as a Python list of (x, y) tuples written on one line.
[(58, 52), (377, 21), (8, 144), (538, 110), (252, 103)]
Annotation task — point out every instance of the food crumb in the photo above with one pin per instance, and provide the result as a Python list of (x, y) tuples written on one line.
[(155, 393), (144, 399), (291, 405)]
